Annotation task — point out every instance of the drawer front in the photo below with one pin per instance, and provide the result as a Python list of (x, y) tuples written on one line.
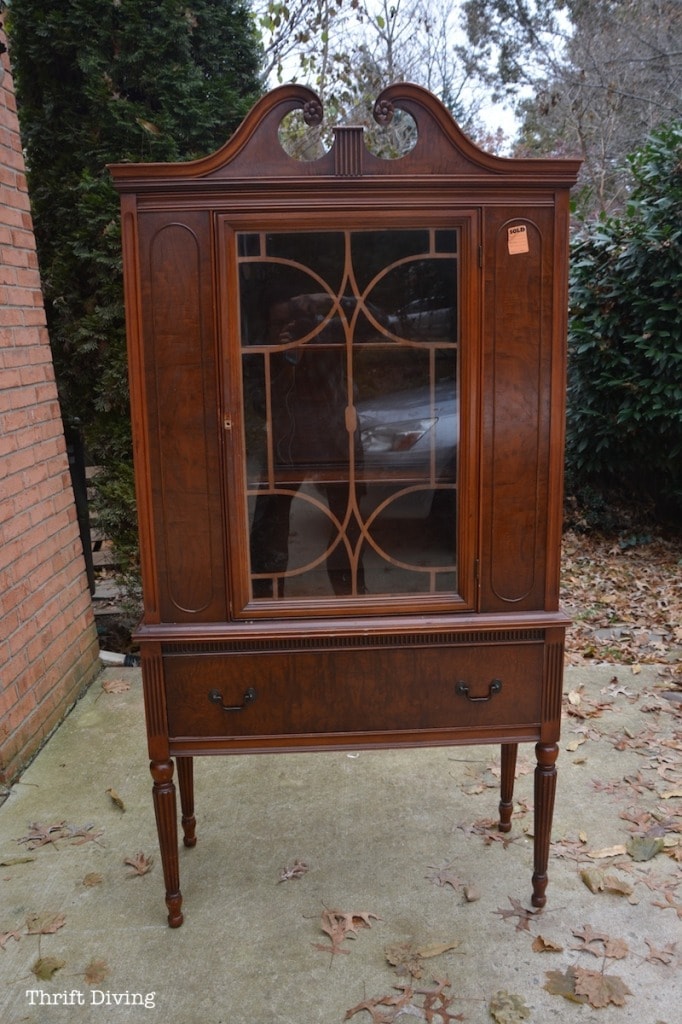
[(353, 691)]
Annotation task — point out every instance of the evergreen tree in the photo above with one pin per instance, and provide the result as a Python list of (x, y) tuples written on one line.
[(625, 338), (102, 81)]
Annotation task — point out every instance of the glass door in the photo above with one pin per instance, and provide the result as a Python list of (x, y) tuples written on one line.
[(349, 366)]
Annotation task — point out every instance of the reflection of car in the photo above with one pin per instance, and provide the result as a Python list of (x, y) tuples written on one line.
[(423, 318), (400, 434), (403, 428)]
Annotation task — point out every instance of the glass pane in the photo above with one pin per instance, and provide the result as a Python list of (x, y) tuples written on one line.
[(350, 381)]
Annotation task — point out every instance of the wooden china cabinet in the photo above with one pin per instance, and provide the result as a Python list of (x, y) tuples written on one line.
[(347, 385)]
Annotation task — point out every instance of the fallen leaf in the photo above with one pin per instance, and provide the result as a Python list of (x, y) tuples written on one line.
[(608, 851), (115, 686), (670, 904), (597, 881), (563, 984), (44, 924), (543, 945), (92, 878), (643, 848), (6, 936), (10, 862), (116, 799), (340, 925), (81, 834), (396, 1003), (507, 1008), (524, 916), (46, 966), (671, 794), (405, 958), (140, 864), (574, 744), (297, 870), (600, 989), (41, 835), (664, 956), (444, 875), (96, 971), (408, 958)]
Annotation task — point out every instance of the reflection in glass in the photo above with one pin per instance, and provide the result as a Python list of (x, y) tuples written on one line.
[(350, 371)]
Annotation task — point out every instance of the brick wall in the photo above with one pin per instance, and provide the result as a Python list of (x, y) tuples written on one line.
[(48, 642)]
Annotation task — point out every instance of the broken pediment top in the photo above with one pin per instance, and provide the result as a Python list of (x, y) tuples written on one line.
[(436, 146)]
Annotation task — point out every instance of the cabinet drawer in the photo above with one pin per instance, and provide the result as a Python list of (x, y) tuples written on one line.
[(365, 690)]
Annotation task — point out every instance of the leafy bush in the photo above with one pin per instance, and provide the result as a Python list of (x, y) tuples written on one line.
[(101, 81), (625, 338)]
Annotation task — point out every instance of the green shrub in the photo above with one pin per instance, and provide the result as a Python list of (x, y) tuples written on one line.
[(625, 338), (104, 81)]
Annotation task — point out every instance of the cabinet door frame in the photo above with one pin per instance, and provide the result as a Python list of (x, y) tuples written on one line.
[(466, 221)]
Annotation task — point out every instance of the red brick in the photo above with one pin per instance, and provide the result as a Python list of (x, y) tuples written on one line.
[(49, 643)]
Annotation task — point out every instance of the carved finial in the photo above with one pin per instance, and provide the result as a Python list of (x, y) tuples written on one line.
[(383, 111), (312, 113)]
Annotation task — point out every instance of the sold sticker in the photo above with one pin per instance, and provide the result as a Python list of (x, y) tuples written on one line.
[(517, 239)]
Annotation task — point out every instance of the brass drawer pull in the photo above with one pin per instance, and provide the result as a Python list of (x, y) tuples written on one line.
[(216, 697), (463, 691)]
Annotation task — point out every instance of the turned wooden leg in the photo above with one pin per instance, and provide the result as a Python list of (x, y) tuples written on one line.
[(545, 788), (167, 827), (186, 786), (507, 785)]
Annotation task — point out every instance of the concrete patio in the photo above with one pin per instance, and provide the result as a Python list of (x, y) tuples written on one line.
[(397, 834)]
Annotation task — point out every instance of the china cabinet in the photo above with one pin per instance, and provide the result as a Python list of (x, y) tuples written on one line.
[(347, 389)]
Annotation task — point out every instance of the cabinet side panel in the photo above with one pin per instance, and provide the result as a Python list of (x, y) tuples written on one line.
[(517, 366), (183, 427)]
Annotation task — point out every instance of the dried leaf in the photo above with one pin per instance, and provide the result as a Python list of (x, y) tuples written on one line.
[(297, 870), (115, 686), (444, 875), (600, 943), (643, 848), (436, 949), (405, 958), (608, 851), (340, 925), (664, 956), (670, 903), (597, 881), (6, 936), (41, 835), (574, 744), (116, 799), (140, 864), (397, 1003), (543, 945), (408, 959), (471, 893), (524, 916), (46, 966), (81, 834), (92, 878), (44, 924), (96, 972), (10, 862), (507, 1008), (600, 989), (559, 984)]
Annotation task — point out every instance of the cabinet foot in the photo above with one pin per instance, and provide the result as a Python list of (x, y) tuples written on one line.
[(545, 789), (166, 813), (509, 751), (186, 786)]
